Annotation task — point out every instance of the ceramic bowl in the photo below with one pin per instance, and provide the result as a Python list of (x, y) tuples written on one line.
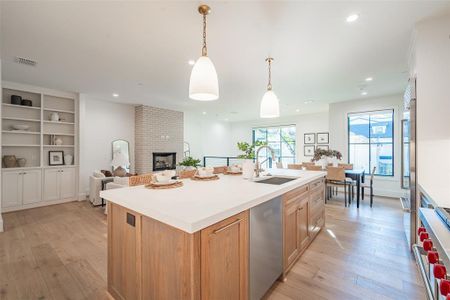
[(163, 178), (205, 171), (20, 127), (235, 169), (169, 173)]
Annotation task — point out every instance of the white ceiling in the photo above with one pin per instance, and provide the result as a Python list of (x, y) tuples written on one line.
[(141, 49)]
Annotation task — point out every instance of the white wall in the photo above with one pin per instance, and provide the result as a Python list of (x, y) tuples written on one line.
[(431, 66), (207, 136), (101, 123), (216, 138), (385, 186), (242, 131)]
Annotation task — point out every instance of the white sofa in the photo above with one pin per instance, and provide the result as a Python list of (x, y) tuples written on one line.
[(118, 182), (95, 186)]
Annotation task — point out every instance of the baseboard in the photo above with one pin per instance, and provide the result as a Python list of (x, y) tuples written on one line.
[(82, 196), (38, 204), (1, 223), (387, 193)]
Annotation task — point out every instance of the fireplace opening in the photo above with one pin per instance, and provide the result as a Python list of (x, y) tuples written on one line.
[(164, 161)]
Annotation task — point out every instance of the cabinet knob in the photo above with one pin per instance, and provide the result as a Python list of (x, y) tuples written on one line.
[(433, 257), (423, 236), (444, 287), (427, 245), (420, 230), (439, 271)]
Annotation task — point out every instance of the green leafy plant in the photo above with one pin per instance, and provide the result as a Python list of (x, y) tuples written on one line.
[(329, 153), (248, 149), (189, 161)]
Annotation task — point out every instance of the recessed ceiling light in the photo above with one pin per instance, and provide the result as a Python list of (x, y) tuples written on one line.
[(297, 110), (308, 101), (352, 18), (363, 93), (203, 112), (369, 78), (191, 62), (115, 95)]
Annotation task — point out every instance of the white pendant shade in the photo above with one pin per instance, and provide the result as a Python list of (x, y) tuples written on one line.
[(270, 106), (204, 85)]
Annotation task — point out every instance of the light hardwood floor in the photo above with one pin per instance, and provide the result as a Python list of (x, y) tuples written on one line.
[(59, 252)]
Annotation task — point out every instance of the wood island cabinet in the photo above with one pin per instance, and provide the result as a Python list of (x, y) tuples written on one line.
[(303, 217), (148, 259)]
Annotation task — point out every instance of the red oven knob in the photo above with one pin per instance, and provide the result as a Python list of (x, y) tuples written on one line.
[(444, 287), (439, 271), (433, 257), (427, 245), (423, 236), (420, 230)]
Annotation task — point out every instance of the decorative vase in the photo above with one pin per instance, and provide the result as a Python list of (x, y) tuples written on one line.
[(10, 161), (68, 159), (323, 162), (54, 117), (248, 169), (58, 141), (21, 162)]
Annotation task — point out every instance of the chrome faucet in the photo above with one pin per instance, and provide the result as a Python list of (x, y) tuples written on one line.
[(258, 168)]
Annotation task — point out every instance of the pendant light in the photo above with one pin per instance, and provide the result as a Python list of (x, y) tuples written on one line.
[(204, 85), (270, 106)]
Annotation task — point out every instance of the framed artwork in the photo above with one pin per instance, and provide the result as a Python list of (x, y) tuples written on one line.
[(323, 138), (309, 150), (309, 138), (323, 147), (56, 158)]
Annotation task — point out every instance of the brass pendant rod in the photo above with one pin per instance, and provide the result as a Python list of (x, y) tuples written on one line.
[(269, 85)]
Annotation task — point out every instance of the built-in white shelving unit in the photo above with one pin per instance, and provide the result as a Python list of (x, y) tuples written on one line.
[(52, 123)]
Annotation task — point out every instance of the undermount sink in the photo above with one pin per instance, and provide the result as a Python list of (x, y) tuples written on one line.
[(276, 180)]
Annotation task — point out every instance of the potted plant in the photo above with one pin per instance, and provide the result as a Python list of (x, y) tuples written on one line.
[(324, 157), (248, 166), (190, 163)]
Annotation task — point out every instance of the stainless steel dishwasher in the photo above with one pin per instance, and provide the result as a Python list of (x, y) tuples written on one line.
[(266, 236)]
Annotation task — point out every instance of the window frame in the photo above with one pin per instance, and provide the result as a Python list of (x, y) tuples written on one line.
[(370, 112), (280, 127)]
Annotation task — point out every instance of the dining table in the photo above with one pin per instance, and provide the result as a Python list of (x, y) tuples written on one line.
[(358, 176)]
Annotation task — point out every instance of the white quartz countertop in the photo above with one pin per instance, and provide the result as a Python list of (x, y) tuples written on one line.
[(439, 231), (199, 204)]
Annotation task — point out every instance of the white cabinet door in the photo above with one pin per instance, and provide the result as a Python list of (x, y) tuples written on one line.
[(11, 189), (67, 183), (51, 184), (31, 186)]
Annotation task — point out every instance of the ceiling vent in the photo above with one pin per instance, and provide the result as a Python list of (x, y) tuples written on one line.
[(25, 61)]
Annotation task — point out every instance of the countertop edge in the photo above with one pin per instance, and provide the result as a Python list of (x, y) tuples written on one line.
[(210, 220)]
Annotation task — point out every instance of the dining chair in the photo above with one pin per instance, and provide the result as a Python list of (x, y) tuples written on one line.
[(220, 170), (336, 179), (346, 166), (308, 163), (313, 168), (368, 185), (295, 166), (279, 165)]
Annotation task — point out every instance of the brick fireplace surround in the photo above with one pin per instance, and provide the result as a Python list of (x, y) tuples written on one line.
[(156, 130)]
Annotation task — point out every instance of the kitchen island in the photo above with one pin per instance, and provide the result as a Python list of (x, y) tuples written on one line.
[(193, 242)]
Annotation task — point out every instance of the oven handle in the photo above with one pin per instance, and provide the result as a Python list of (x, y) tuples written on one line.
[(417, 250)]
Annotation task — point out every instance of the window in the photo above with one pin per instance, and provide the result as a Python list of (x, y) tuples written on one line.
[(281, 139), (371, 141)]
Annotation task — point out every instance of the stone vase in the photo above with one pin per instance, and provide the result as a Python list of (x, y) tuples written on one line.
[(9, 161), (248, 169)]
